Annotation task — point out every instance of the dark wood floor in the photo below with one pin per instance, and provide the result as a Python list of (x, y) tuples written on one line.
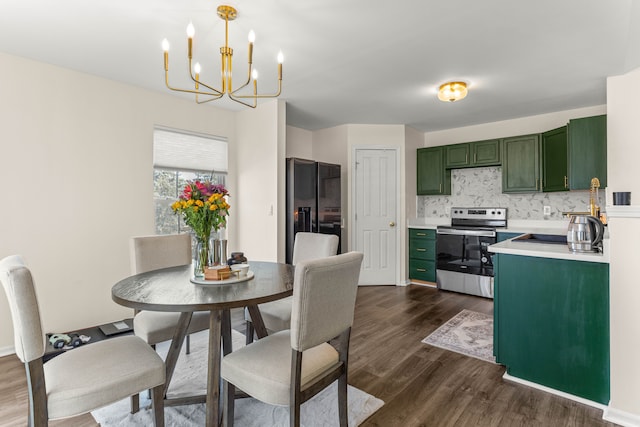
[(421, 385)]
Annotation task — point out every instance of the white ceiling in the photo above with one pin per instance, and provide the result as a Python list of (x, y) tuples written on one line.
[(352, 61)]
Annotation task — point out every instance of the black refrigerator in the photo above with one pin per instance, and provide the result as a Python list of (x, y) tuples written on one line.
[(313, 199)]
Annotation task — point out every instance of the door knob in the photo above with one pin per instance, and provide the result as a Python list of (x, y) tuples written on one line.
[(392, 224)]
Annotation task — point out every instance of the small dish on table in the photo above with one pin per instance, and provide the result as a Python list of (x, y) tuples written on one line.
[(240, 269)]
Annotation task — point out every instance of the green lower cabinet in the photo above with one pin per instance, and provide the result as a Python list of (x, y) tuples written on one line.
[(422, 254), (422, 270), (552, 323)]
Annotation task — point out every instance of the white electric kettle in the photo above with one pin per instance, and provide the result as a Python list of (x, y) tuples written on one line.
[(585, 233)]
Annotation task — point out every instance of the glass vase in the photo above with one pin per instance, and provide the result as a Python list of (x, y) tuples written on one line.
[(201, 261)]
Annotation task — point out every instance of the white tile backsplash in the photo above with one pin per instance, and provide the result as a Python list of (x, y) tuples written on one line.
[(482, 187)]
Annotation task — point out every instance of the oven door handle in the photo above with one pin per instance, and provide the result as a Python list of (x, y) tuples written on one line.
[(453, 231)]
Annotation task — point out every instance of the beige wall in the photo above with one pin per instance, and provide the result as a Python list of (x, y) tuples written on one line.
[(76, 182), (299, 143), (506, 128), (623, 151), (330, 146), (260, 154), (413, 140)]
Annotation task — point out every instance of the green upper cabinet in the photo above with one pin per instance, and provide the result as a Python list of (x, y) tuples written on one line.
[(554, 160), (432, 176), (521, 164), (587, 152), (485, 153), (457, 155), (473, 154)]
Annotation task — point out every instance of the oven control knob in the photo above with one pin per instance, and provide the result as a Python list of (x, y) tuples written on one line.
[(484, 259)]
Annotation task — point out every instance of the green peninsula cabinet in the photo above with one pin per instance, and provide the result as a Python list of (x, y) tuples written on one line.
[(521, 164), (551, 323), (587, 152), (433, 178), (422, 254)]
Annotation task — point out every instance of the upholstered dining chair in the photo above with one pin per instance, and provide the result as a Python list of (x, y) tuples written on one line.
[(153, 253), (82, 379), (291, 366), (277, 314)]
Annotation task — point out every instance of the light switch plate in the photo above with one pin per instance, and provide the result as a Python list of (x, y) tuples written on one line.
[(547, 210)]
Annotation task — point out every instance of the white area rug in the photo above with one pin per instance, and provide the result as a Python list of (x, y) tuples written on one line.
[(190, 378), (468, 332)]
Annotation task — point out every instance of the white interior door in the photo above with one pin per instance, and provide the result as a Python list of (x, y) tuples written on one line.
[(376, 197)]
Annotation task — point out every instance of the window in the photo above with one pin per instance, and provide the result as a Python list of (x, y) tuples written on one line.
[(177, 158)]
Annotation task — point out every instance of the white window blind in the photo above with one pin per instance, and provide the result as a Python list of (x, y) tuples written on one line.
[(185, 151)]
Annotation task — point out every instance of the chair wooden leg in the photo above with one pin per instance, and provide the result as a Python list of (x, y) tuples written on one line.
[(188, 344), (343, 409), (38, 412), (135, 403), (158, 406), (248, 332), (295, 398), (228, 399)]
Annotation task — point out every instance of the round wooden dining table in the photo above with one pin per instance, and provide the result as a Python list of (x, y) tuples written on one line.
[(172, 290)]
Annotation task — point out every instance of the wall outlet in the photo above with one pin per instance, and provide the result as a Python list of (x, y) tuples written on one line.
[(546, 210)]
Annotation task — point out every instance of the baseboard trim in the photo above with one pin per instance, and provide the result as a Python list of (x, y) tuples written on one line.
[(554, 391), (622, 418), (6, 351), (422, 283)]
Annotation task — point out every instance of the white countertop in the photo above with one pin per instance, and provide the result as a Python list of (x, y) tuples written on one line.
[(549, 250), (513, 226), (541, 250), (427, 223)]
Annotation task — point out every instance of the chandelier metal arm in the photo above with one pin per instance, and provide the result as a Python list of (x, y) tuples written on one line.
[(196, 80), (196, 92), (227, 13), (256, 96)]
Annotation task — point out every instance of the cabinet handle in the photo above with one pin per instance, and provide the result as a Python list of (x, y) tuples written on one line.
[(441, 187), (475, 158), (566, 182), (421, 234), (421, 250), (421, 270)]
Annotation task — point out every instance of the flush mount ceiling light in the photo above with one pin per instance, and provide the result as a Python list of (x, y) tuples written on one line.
[(452, 91), (205, 92)]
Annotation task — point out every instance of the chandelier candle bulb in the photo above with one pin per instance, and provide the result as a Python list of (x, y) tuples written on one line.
[(197, 68)]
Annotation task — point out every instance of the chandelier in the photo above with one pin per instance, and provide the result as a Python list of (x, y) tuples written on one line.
[(205, 92), (452, 91)]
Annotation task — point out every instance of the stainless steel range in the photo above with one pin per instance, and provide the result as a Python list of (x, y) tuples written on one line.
[(464, 262)]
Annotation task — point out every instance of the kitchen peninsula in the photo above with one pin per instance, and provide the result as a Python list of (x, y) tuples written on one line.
[(551, 317)]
